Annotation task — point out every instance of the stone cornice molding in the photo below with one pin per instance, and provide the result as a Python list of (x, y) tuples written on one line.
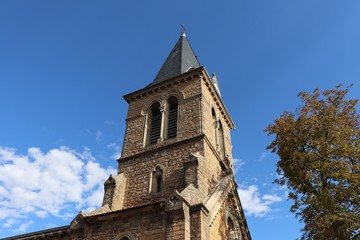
[(170, 83), (159, 148)]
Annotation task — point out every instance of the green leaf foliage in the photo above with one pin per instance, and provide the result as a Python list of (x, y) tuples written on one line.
[(319, 161)]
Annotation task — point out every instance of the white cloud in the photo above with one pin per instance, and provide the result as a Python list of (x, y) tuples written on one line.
[(53, 183), (255, 204), (87, 132), (24, 226), (98, 135), (110, 123), (262, 157), (41, 214), (238, 163), (270, 199), (117, 150), (10, 222)]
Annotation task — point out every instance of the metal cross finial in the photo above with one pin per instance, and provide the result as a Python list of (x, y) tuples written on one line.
[(182, 30)]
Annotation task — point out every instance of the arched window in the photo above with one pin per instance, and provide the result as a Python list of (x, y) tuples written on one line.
[(125, 236), (214, 123), (233, 230), (155, 123), (172, 117), (157, 178), (221, 141)]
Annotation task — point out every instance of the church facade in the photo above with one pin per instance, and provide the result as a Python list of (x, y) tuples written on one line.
[(175, 177)]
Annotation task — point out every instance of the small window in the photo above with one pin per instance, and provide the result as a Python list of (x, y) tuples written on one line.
[(125, 238), (158, 183), (157, 180), (214, 125), (221, 141), (155, 123), (173, 117)]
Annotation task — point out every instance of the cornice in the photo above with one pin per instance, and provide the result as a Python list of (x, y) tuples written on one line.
[(159, 87), (128, 212), (160, 148)]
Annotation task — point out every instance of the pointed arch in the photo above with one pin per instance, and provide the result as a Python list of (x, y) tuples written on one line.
[(233, 228)]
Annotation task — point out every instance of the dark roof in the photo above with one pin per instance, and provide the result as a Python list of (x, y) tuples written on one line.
[(180, 60), (40, 234)]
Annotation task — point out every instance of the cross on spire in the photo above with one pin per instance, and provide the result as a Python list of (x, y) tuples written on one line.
[(182, 30)]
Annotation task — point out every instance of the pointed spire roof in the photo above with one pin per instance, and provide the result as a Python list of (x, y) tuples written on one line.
[(180, 60)]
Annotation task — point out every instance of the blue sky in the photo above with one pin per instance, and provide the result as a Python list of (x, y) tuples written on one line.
[(64, 66)]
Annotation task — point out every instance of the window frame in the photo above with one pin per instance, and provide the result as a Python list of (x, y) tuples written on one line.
[(156, 182)]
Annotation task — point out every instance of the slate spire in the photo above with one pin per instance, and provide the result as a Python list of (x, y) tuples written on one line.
[(180, 60)]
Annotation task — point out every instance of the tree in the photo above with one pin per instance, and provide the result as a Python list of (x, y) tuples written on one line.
[(319, 161)]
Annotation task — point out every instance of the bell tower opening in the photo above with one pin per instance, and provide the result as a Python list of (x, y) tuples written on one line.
[(155, 123), (173, 117)]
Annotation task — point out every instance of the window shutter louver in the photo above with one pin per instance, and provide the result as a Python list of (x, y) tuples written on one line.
[(173, 118), (155, 127)]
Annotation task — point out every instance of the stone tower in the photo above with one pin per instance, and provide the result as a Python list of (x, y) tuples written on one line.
[(175, 177), (176, 158)]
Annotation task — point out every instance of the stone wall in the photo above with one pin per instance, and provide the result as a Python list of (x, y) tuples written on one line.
[(211, 100), (145, 223), (138, 172), (188, 93)]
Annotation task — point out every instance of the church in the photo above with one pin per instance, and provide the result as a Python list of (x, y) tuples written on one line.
[(175, 178)]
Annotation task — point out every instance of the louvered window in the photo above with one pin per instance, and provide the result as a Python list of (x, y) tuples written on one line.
[(155, 126), (173, 117)]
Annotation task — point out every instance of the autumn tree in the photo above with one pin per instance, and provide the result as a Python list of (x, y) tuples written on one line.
[(319, 161)]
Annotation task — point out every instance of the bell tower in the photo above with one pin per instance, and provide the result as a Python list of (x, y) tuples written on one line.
[(175, 177)]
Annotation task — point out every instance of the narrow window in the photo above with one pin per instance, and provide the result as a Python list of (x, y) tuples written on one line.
[(157, 180), (125, 238), (155, 123), (158, 183), (173, 117), (221, 141), (214, 123)]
